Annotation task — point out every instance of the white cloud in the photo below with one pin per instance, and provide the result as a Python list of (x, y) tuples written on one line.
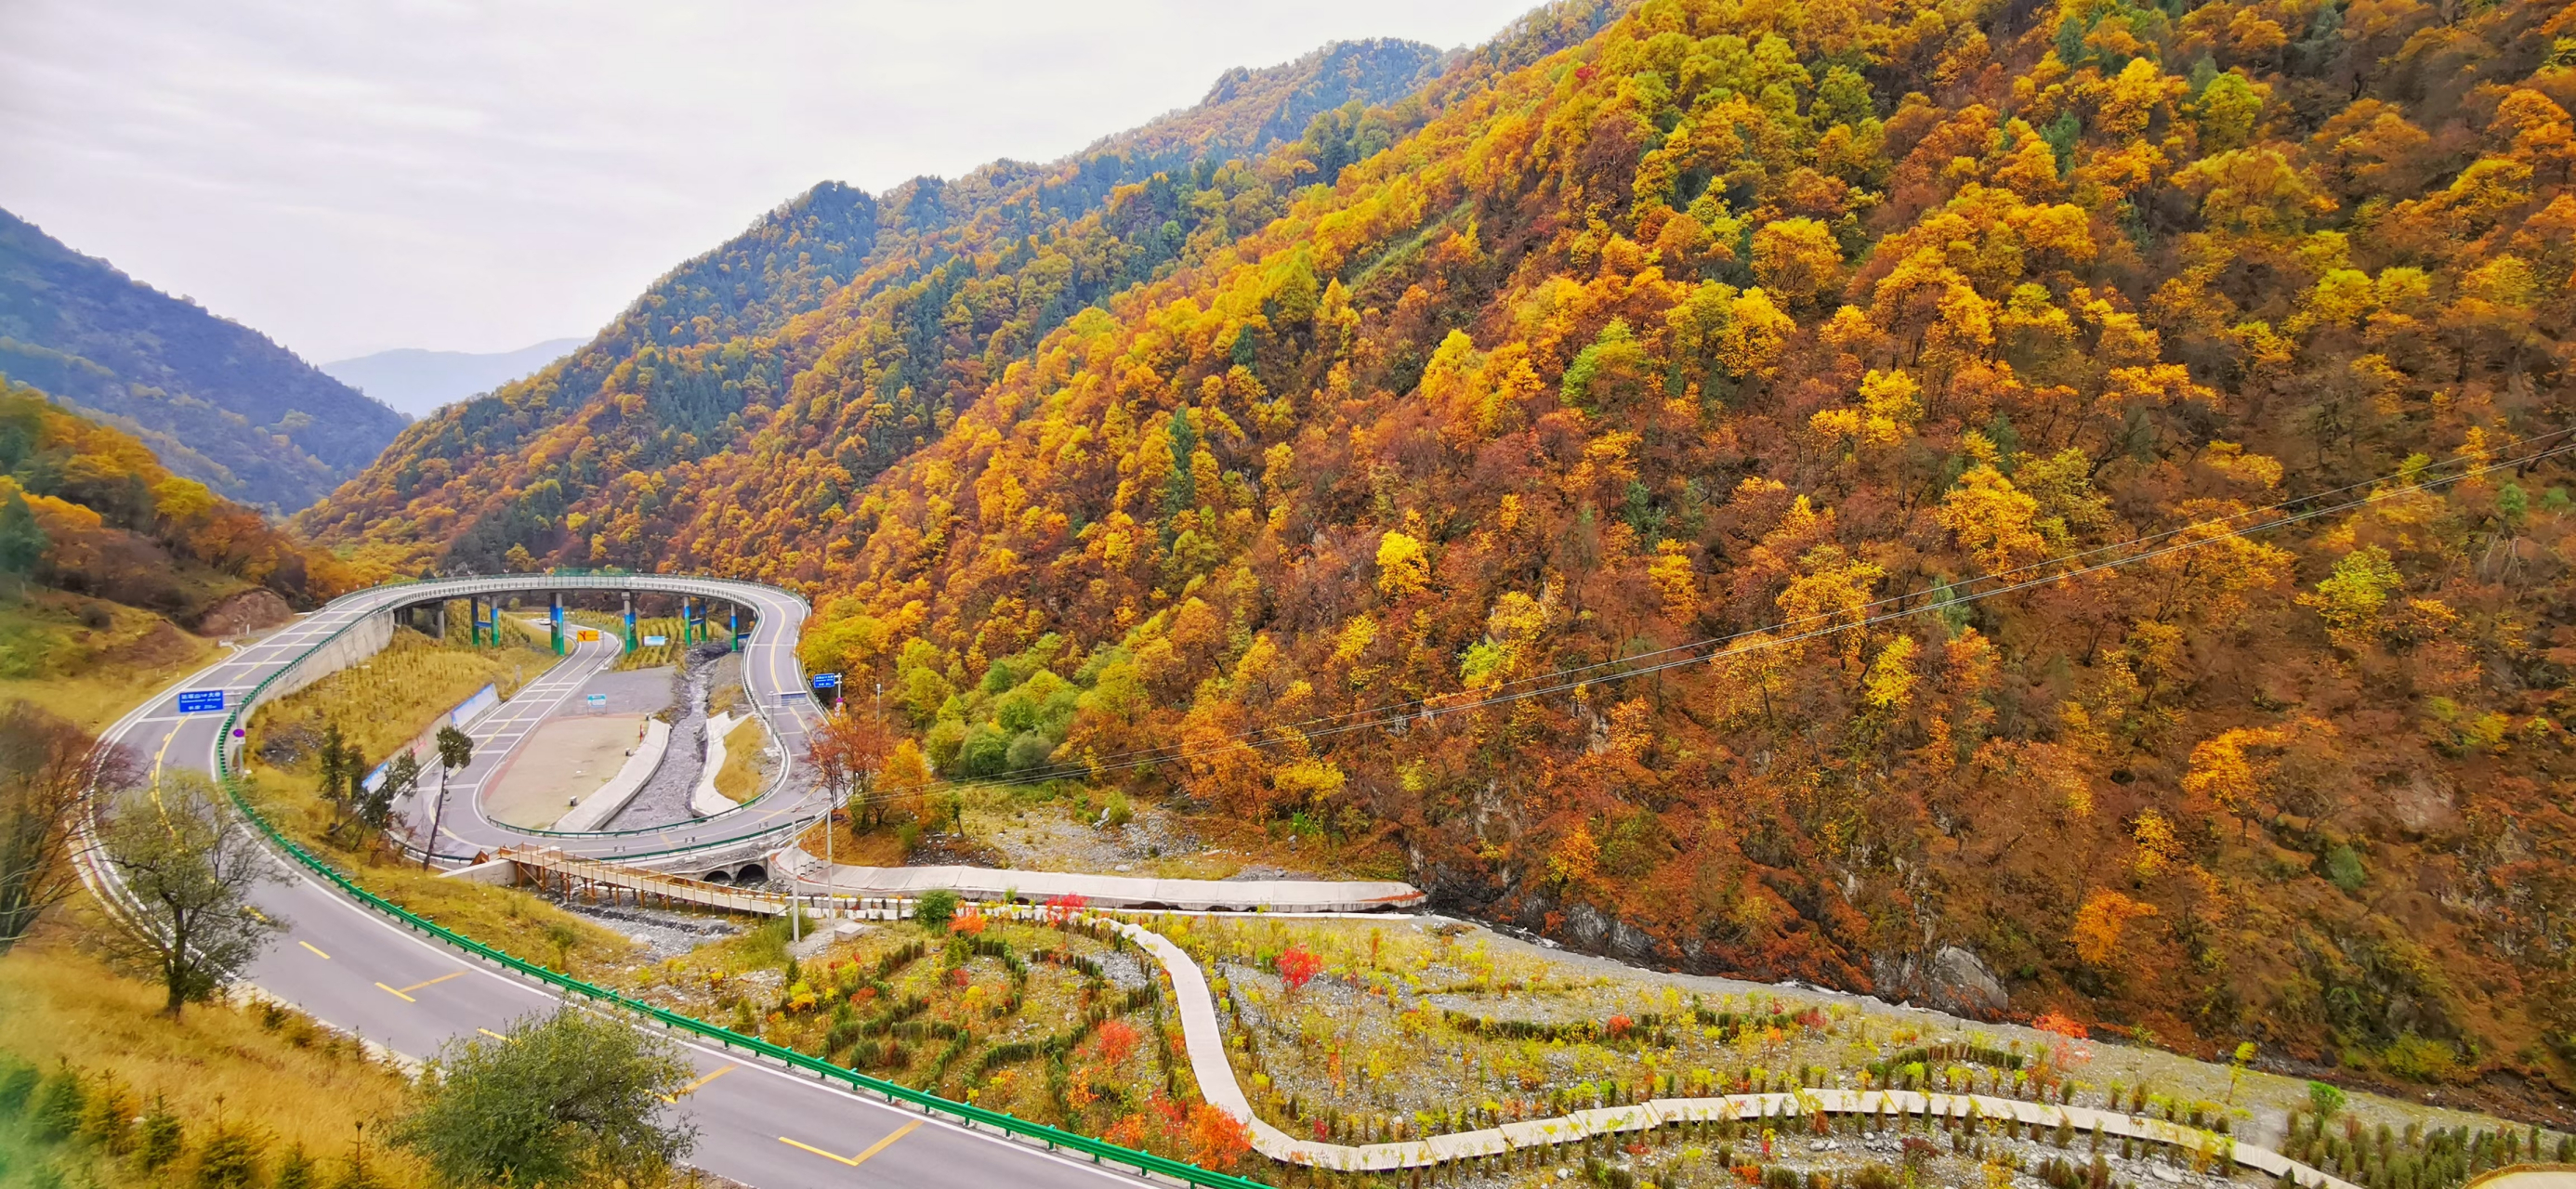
[(349, 177)]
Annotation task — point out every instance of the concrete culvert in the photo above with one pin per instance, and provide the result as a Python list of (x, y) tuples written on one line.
[(719, 875), (750, 873)]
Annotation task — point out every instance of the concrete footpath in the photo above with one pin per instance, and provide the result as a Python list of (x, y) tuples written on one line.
[(1106, 891)]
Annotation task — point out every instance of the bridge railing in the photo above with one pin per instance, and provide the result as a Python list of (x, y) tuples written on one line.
[(1054, 1138)]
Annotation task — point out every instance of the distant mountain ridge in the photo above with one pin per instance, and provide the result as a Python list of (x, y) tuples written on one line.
[(920, 296), (417, 382), (219, 402)]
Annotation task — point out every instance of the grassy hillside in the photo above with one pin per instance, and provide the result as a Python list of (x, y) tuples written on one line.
[(247, 1080), (220, 402), (391, 698), (90, 660)]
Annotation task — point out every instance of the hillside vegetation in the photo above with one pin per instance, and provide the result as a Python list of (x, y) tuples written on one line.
[(219, 402), (89, 510), (1730, 316)]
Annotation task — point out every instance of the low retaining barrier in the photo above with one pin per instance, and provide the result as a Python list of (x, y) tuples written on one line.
[(598, 808)]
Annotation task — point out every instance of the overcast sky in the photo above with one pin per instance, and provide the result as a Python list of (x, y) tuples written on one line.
[(353, 175)]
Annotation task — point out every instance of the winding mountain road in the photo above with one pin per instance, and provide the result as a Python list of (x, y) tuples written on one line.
[(352, 968)]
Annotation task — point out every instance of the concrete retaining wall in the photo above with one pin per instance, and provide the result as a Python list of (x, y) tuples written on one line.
[(364, 639)]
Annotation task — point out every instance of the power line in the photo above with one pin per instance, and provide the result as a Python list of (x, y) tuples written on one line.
[(1561, 680), (1897, 600)]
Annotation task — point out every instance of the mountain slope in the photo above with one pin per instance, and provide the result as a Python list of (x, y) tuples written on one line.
[(86, 508), (1729, 324), (1744, 324), (416, 382), (212, 397), (908, 304)]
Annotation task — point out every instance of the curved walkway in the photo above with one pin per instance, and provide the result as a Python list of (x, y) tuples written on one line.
[(1204, 1040)]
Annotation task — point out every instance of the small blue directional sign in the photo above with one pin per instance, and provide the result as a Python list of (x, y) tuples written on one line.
[(193, 701), (827, 681), (656, 641)]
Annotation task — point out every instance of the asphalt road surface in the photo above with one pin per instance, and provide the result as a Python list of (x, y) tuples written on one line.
[(354, 969)]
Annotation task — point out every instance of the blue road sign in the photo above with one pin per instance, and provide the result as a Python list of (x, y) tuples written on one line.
[(656, 641), (193, 701), (827, 681)]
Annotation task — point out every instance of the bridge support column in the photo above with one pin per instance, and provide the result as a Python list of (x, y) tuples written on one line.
[(688, 622), (438, 620), (474, 618), (630, 621), (555, 620), (733, 626)]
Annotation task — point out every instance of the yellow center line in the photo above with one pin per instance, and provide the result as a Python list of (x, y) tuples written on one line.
[(494, 1035), (434, 982), (397, 994), (316, 952), (861, 1158), (692, 1087), (156, 766)]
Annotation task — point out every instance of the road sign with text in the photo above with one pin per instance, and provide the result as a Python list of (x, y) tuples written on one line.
[(197, 701)]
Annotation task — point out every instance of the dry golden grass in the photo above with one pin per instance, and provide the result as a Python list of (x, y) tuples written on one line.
[(298, 1083), (746, 766), (389, 699), (515, 922), (90, 675)]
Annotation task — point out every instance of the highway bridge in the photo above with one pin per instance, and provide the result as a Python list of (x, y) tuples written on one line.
[(355, 969)]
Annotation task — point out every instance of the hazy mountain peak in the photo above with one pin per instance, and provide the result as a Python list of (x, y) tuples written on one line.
[(220, 402), (416, 382)]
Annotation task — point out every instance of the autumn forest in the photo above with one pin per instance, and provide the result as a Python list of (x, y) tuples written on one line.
[(1840, 491)]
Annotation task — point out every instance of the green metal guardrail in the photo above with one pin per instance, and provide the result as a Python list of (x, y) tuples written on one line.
[(967, 1113)]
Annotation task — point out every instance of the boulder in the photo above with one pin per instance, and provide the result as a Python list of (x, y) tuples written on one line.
[(244, 613), (1951, 979)]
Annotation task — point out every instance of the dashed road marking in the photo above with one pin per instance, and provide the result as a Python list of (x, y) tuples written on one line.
[(861, 1158), (404, 993), (693, 1087)]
